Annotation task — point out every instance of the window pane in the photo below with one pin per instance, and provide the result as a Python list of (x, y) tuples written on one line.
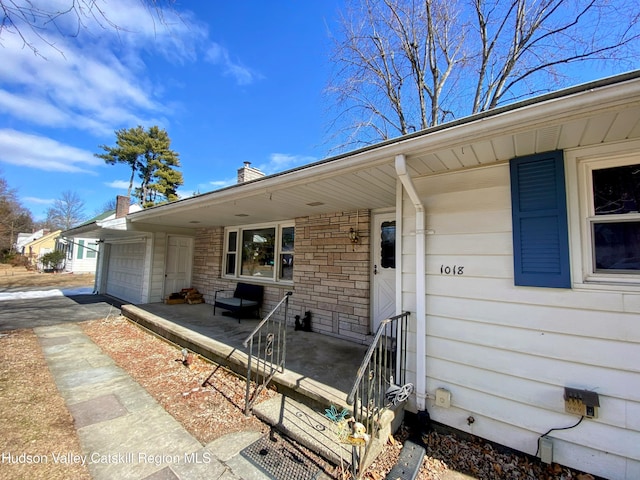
[(231, 264), (617, 246), (388, 245), (286, 267), (232, 242), (616, 190), (91, 250), (288, 235), (257, 252)]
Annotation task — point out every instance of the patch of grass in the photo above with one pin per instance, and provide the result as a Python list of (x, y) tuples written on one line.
[(34, 420)]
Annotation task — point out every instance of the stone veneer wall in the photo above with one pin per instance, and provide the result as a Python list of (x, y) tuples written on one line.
[(330, 274), (207, 262)]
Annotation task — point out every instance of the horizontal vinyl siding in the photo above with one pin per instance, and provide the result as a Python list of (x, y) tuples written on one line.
[(507, 352)]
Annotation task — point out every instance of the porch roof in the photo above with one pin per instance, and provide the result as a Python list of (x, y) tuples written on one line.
[(604, 111)]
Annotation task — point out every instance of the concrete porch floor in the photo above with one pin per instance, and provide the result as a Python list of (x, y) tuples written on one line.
[(319, 369)]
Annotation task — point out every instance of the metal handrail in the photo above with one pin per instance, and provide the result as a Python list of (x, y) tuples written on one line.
[(266, 319), (270, 357), (380, 381)]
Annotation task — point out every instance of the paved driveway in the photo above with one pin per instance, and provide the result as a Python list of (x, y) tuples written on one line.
[(41, 309)]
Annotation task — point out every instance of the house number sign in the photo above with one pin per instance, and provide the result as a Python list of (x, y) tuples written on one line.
[(451, 269)]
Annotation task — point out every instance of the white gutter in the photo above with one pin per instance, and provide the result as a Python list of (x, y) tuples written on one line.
[(421, 291)]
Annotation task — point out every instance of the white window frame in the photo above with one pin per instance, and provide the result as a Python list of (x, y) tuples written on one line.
[(92, 250), (579, 165), (279, 227)]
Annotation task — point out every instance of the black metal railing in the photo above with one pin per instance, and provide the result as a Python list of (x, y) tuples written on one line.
[(380, 382), (267, 351)]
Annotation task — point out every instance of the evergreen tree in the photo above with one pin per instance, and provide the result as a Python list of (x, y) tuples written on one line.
[(147, 152)]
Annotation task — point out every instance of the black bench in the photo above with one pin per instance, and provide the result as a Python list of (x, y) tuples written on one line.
[(247, 298)]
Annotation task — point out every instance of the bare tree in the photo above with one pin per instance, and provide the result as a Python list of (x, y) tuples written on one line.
[(14, 218), (404, 65), (67, 211), (30, 19)]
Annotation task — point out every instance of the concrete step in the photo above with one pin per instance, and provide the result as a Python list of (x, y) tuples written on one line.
[(314, 430), (306, 426)]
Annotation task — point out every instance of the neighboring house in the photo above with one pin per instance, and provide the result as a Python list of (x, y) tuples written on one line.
[(35, 249), (82, 254), (25, 238), (511, 236)]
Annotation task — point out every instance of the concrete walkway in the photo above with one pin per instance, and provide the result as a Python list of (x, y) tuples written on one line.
[(123, 431)]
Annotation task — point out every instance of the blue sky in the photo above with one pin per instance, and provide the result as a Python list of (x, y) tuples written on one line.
[(230, 82)]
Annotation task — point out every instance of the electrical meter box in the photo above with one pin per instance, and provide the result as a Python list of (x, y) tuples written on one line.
[(581, 402)]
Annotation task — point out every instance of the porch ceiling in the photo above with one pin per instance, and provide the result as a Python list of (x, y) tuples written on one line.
[(366, 179), (270, 200)]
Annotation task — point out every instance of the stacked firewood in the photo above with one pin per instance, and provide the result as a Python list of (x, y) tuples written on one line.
[(192, 296)]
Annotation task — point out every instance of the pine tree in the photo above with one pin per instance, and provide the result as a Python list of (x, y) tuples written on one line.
[(147, 152)]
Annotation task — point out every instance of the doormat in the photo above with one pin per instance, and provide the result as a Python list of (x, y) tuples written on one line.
[(281, 460)]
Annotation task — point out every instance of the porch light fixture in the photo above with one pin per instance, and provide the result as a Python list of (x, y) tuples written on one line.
[(353, 232), (353, 236)]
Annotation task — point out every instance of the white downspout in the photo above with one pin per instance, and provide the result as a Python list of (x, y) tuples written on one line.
[(421, 296)]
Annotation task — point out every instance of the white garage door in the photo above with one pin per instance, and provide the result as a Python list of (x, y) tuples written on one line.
[(126, 270)]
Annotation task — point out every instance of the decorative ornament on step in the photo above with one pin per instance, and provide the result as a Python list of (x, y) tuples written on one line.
[(358, 436), (396, 394)]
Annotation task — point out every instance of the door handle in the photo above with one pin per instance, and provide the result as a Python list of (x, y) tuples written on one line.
[(375, 269)]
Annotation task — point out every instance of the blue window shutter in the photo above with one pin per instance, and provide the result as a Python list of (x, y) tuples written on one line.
[(80, 249), (539, 210)]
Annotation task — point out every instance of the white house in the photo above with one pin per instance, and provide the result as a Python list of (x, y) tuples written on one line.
[(82, 254), (23, 239), (512, 237)]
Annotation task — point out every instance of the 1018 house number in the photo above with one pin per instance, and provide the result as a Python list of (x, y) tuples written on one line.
[(451, 270)]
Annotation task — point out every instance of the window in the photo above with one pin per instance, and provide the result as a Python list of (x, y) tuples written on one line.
[(388, 245), (232, 248), (614, 219), (264, 252), (286, 254), (258, 248), (92, 250)]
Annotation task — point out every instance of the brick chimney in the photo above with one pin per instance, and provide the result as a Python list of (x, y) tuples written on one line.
[(247, 173), (122, 206)]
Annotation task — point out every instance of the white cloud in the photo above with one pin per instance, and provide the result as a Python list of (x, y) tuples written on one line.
[(118, 184), (39, 201), (218, 55), (42, 153), (93, 74), (88, 89), (279, 162), (223, 183)]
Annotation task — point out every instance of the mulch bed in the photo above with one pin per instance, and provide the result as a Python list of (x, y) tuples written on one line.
[(206, 410)]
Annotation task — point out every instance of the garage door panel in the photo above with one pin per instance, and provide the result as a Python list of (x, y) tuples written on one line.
[(126, 271)]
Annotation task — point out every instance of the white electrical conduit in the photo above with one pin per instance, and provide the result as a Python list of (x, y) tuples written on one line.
[(421, 298)]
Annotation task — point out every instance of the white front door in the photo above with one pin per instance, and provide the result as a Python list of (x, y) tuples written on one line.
[(383, 276), (177, 273)]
